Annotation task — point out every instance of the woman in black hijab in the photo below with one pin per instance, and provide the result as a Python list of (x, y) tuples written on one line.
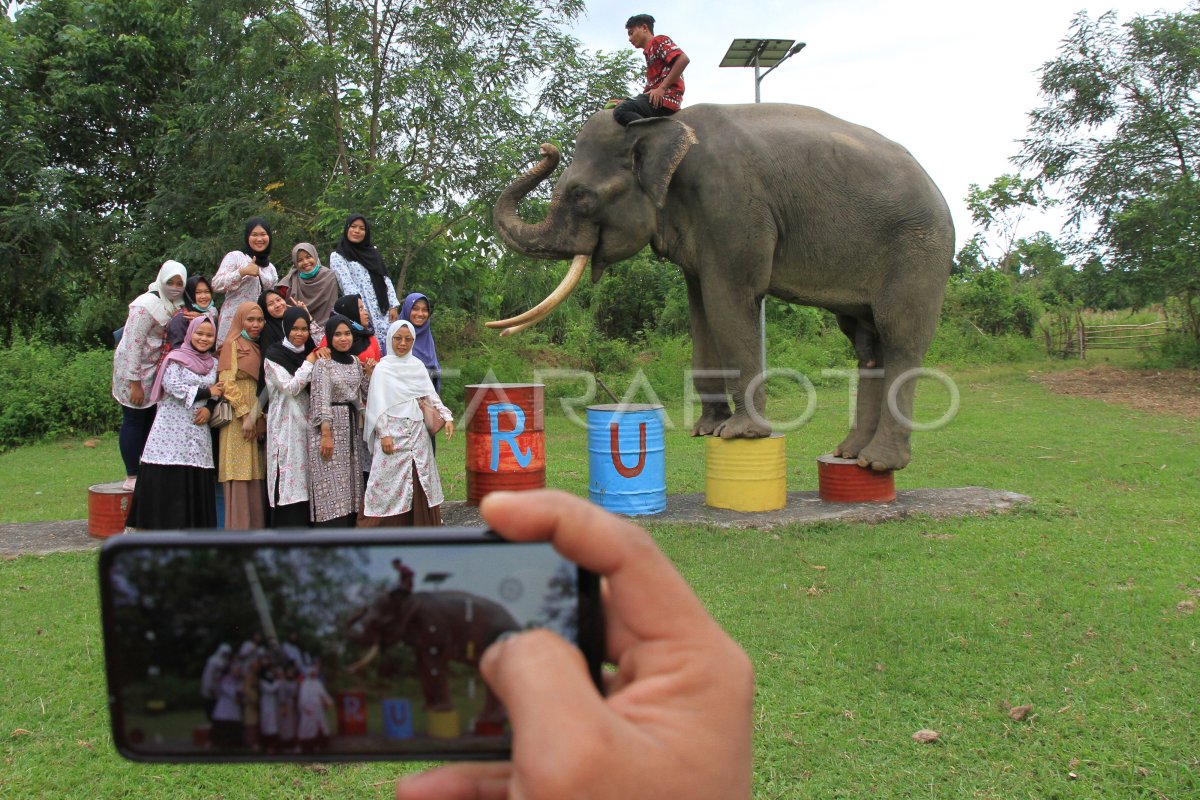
[(360, 270), (274, 306), (246, 273), (197, 300), (287, 367)]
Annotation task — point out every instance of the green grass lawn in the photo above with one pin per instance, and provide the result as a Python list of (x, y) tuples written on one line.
[(1079, 604)]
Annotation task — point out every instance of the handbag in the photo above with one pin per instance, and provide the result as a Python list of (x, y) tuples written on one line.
[(433, 417), (222, 415)]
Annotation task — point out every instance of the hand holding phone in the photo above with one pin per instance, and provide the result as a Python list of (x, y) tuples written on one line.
[(233, 647), (676, 721)]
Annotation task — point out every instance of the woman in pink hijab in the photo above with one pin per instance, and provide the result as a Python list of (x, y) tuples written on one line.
[(176, 487)]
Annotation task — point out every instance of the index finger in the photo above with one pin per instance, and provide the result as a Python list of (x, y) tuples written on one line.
[(640, 577)]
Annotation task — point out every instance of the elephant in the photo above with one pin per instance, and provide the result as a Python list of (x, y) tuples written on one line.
[(751, 200), (440, 627)]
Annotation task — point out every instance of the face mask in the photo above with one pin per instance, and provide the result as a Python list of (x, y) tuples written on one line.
[(173, 293)]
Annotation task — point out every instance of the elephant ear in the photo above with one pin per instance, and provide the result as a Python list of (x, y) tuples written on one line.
[(659, 145)]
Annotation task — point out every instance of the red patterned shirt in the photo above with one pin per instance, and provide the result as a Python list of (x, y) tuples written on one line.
[(660, 53)]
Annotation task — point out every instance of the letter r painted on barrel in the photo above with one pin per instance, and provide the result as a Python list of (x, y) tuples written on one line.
[(508, 437), (352, 708), (614, 446)]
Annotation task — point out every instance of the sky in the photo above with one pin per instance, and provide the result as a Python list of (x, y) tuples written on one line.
[(951, 80)]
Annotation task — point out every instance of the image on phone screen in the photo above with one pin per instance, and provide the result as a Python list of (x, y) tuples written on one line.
[(321, 651)]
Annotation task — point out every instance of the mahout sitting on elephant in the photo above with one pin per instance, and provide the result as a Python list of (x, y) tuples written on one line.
[(751, 200)]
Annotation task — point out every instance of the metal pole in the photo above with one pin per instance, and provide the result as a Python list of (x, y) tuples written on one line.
[(260, 600), (762, 304)]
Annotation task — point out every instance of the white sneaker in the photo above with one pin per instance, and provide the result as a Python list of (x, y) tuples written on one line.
[(129, 483)]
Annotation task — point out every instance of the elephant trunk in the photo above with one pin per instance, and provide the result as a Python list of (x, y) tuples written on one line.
[(546, 239), (549, 238)]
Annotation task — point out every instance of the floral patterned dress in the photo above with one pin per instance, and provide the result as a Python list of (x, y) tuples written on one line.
[(287, 433), (238, 288), (354, 278), (138, 353), (176, 486), (175, 438), (390, 490), (338, 394)]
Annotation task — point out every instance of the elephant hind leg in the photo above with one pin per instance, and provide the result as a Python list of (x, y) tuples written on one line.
[(905, 339), (868, 349)]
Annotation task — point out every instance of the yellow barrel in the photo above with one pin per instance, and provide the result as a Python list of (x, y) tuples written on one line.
[(444, 724), (746, 474)]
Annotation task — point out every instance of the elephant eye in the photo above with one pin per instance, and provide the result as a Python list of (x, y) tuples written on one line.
[(584, 199)]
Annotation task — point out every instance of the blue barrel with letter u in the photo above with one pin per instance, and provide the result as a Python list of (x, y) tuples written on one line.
[(627, 464), (397, 718)]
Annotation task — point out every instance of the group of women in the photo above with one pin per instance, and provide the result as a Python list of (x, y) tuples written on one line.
[(316, 419), (263, 700)]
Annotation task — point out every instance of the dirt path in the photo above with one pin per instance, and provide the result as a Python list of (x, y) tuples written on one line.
[(41, 538), (1175, 391)]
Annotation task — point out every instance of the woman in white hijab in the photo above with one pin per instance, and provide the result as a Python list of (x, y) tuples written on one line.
[(313, 730), (135, 362), (405, 487)]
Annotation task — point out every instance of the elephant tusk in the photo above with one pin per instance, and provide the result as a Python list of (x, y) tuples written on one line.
[(552, 301), (367, 659), (518, 328)]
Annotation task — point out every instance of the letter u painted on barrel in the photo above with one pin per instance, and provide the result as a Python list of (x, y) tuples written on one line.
[(614, 445), (397, 718), (508, 437), (627, 470)]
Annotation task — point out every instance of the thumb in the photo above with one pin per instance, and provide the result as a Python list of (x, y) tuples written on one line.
[(544, 684)]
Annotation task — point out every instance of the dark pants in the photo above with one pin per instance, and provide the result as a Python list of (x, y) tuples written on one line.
[(135, 430), (639, 107), (338, 522)]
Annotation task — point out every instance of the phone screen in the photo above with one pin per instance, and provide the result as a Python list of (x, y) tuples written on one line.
[(324, 646)]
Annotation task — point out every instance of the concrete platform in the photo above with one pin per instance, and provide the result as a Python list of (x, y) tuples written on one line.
[(40, 538)]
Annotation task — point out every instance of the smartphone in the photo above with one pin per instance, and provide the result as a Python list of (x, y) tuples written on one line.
[(324, 646)]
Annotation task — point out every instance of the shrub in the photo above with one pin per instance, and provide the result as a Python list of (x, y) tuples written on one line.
[(992, 302), (958, 343), (631, 297), (48, 390), (1176, 350)]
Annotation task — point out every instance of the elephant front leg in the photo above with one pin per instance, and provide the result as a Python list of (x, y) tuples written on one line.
[(435, 682), (734, 327), (707, 376)]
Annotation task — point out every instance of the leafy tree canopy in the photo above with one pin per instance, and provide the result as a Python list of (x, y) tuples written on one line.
[(140, 130)]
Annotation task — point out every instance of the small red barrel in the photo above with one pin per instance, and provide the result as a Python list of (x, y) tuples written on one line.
[(352, 713), (482, 728), (505, 438), (108, 505), (842, 480), (201, 735)]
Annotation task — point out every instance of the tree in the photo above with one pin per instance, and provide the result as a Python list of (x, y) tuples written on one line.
[(999, 210), (140, 130), (1119, 135), (433, 107), (1157, 241)]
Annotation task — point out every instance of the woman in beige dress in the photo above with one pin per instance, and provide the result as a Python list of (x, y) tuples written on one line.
[(241, 467)]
